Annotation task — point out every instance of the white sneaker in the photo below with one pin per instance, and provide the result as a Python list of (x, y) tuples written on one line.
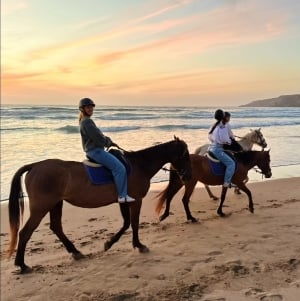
[(121, 199), (129, 199)]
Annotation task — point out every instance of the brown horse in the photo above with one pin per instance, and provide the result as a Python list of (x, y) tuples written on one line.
[(51, 181), (245, 143), (201, 171)]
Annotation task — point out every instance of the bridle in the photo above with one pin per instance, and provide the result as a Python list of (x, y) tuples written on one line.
[(262, 141), (180, 171)]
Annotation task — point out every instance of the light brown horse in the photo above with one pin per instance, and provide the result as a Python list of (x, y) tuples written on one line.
[(201, 171), (50, 182)]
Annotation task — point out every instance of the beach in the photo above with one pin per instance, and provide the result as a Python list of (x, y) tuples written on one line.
[(240, 257)]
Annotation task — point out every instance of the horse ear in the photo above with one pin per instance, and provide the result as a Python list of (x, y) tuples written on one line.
[(251, 130), (259, 129), (176, 138)]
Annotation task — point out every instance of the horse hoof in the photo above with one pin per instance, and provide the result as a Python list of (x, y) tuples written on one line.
[(144, 249), (251, 210), (221, 214), (26, 270), (215, 198), (77, 256), (194, 220), (161, 218), (107, 245)]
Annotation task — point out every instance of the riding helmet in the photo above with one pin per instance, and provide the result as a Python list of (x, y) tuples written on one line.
[(219, 115), (86, 102)]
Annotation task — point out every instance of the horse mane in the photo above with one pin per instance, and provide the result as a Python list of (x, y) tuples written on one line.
[(153, 149), (245, 157)]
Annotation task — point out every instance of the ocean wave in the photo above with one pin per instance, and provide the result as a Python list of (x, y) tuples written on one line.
[(120, 128), (71, 129), (22, 129)]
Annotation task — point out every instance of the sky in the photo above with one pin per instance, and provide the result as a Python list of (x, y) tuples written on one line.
[(154, 52)]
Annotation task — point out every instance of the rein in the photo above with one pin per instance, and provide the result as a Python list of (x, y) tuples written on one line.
[(168, 169)]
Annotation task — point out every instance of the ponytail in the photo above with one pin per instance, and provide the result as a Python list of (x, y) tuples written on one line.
[(213, 128), (81, 115)]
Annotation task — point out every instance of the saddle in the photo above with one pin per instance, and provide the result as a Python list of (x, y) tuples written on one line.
[(217, 167), (99, 174)]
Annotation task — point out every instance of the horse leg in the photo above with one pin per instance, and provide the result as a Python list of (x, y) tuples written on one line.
[(56, 227), (135, 209), (126, 223), (173, 187), (24, 235), (211, 195), (223, 195), (189, 188), (243, 187), (237, 190)]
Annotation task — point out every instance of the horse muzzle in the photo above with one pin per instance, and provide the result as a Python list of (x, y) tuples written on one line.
[(268, 174)]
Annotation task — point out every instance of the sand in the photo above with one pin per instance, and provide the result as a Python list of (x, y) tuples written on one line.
[(241, 257)]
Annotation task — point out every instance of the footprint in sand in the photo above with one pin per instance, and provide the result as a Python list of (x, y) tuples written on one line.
[(253, 292), (271, 297), (213, 253), (215, 299)]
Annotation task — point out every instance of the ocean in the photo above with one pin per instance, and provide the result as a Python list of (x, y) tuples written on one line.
[(34, 133)]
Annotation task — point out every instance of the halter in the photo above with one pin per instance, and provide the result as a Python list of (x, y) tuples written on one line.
[(262, 140)]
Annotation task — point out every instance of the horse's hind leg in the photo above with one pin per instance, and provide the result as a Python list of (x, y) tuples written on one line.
[(56, 227), (24, 235), (126, 223), (174, 185), (243, 187), (211, 195), (189, 188)]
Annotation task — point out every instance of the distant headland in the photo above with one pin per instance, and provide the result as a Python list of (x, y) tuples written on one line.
[(281, 101)]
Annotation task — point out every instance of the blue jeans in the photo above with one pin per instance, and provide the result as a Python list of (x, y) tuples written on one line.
[(117, 168), (219, 153)]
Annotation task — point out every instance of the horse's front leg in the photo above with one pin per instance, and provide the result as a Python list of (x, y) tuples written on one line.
[(243, 187), (126, 223), (189, 188), (223, 195), (135, 209)]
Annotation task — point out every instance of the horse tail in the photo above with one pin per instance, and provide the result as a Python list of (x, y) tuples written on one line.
[(198, 150), (16, 206), (174, 185)]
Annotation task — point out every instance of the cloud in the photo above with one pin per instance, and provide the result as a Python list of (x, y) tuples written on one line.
[(11, 6)]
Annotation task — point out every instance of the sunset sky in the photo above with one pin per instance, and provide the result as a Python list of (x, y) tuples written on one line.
[(155, 52)]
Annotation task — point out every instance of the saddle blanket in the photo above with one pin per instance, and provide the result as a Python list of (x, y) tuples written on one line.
[(99, 175), (217, 168)]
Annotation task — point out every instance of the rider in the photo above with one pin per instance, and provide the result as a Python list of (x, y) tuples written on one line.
[(234, 146), (219, 136), (93, 143)]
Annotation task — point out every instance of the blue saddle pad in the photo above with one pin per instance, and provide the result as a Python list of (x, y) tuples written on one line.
[(217, 168), (99, 175)]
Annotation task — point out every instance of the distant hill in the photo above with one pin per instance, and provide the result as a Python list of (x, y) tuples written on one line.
[(281, 101)]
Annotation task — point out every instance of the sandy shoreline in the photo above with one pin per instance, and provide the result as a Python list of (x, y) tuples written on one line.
[(242, 257)]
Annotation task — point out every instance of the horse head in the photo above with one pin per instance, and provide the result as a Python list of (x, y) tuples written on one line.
[(264, 163), (181, 159), (258, 138)]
